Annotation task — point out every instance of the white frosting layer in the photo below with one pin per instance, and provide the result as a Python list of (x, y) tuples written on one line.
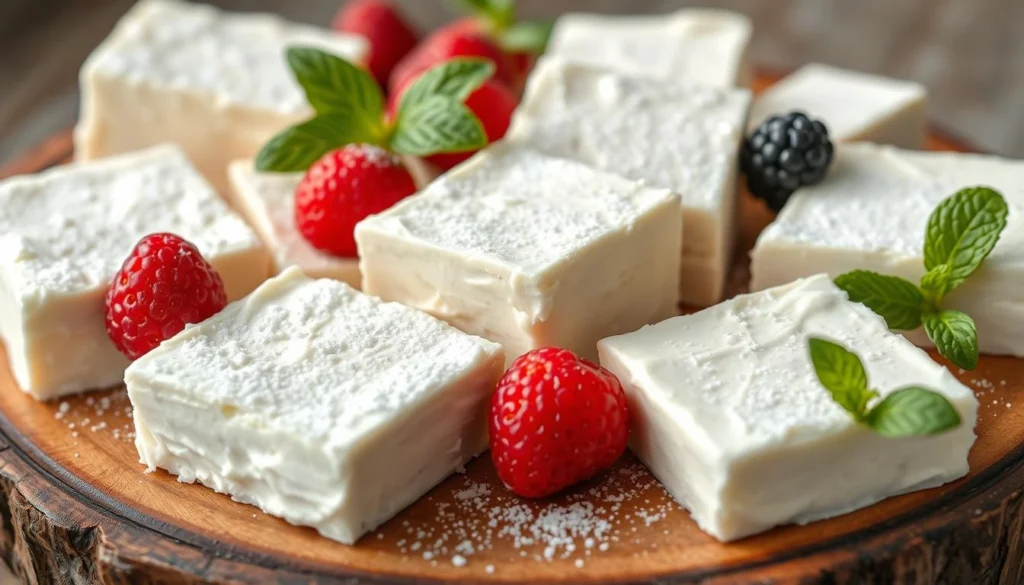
[(215, 83), (267, 201), (316, 403), (674, 135), (64, 234), (702, 46), (871, 212), (730, 415), (527, 249), (854, 105)]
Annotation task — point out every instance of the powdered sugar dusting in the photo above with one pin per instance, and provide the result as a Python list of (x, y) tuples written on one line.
[(480, 519)]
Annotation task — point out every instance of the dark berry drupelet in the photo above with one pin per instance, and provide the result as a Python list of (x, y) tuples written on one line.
[(783, 154)]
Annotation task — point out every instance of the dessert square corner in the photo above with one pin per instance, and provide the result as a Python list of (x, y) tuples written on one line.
[(669, 134), (316, 403), (730, 416), (529, 250)]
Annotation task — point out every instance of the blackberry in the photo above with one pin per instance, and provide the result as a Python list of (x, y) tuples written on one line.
[(783, 154)]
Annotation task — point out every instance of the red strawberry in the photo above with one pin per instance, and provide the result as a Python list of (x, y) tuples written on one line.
[(163, 285), (493, 104), (342, 188), (556, 420), (378, 21), (447, 43)]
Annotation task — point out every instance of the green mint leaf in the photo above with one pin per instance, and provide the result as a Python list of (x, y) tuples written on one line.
[(962, 231), (527, 37), (298, 147), (935, 285), (955, 336), (912, 411), (435, 125), (333, 85), (841, 372), (896, 300), (498, 14), (455, 79)]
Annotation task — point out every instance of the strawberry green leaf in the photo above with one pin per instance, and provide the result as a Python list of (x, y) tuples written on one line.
[(438, 124), (841, 372), (955, 336), (455, 79), (896, 300), (962, 231), (498, 14), (333, 85), (526, 37), (298, 147), (912, 411)]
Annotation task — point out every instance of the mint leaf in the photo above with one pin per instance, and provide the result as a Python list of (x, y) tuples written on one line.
[(298, 147), (935, 285), (841, 372), (333, 85), (526, 37), (912, 411), (955, 336), (898, 301), (456, 79), (437, 124), (963, 230)]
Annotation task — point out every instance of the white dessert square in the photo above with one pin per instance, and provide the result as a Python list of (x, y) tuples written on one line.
[(64, 234), (728, 413), (871, 212), (316, 403), (529, 251), (703, 46), (854, 105), (673, 135), (267, 201), (214, 83)]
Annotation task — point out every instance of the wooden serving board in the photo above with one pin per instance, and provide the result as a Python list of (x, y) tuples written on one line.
[(76, 508)]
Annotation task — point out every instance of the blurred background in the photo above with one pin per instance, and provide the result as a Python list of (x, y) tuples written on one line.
[(970, 53)]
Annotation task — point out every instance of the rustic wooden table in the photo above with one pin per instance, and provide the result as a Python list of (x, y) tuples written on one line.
[(970, 53)]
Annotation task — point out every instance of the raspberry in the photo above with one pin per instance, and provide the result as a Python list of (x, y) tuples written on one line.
[(783, 154), (163, 285), (342, 188), (555, 420), (388, 34)]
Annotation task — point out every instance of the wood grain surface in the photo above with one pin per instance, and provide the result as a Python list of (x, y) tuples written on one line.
[(75, 508), (970, 53)]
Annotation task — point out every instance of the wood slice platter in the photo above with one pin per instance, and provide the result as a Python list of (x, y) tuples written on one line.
[(76, 508)]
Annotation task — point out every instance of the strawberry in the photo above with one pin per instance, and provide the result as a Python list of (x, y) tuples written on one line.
[(163, 285), (555, 420), (389, 35), (447, 43), (342, 188), (493, 105)]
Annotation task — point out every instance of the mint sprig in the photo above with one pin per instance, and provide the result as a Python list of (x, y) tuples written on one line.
[(906, 412), (349, 109), (499, 19), (961, 232)]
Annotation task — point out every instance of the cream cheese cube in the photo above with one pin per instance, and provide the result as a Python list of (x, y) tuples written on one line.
[(267, 201), (854, 105), (65, 233), (677, 136), (702, 46), (215, 83), (529, 250), (316, 403), (870, 214), (728, 413)]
